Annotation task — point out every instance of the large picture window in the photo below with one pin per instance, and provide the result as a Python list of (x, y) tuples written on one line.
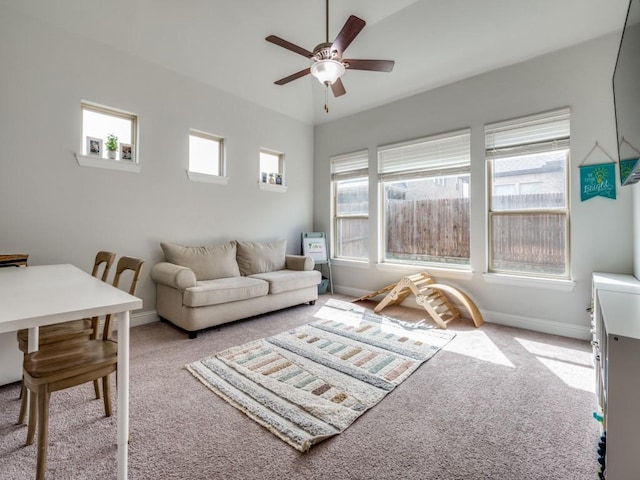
[(527, 162), (424, 188), (350, 190)]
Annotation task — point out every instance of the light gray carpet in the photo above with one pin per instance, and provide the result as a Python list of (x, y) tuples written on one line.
[(496, 403)]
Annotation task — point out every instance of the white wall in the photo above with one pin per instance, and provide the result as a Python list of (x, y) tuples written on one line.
[(601, 229), (59, 212)]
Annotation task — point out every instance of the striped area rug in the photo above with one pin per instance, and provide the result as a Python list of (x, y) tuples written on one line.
[(312, 382)]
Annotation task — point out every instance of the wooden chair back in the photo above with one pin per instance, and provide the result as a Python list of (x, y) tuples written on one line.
[(105, 260), (129, 267), (14, 260)]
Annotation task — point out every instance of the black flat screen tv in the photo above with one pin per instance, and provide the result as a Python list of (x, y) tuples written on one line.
[(626, 96)]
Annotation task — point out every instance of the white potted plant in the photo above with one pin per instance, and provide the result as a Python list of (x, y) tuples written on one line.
[(112, 146)]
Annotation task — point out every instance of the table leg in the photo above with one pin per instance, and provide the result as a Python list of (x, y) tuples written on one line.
[(34, 340), (33, 343), (122, 320)]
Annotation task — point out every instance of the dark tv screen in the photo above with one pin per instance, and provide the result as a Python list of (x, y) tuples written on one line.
[(626, 88)]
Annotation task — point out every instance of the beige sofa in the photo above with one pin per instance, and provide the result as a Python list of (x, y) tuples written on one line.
[(200, 287)]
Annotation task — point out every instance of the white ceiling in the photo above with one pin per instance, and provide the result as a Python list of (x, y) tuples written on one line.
[(433, 42)]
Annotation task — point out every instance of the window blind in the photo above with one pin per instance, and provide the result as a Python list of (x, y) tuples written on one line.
[(350, 165), (536, 133), (446, 152)]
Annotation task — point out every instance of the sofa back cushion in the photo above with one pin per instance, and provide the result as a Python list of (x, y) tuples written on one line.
[(207, 262), (261, 257)]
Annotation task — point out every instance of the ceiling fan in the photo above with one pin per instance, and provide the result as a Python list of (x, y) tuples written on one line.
[(328, 62)]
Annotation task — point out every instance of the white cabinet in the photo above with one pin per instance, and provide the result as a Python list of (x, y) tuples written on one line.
[(616, 343)]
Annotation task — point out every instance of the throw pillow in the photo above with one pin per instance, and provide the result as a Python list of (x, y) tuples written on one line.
[(261, 257), (207, 262)]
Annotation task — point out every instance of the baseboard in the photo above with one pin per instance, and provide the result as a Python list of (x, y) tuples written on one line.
[(580, 332), (142, 318), (353, 292), (570, 330)]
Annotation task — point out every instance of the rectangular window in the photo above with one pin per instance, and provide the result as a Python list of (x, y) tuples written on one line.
[(425, 197), (527, 161), (271, 167), (206, 154), (350, 191), (99, 123)]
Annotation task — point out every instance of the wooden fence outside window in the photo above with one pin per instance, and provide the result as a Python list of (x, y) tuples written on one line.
[(439, 231)]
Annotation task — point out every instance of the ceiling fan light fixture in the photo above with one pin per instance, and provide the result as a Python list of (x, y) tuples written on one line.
[(327, 71)]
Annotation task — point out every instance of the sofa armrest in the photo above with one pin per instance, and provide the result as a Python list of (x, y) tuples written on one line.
[(173, 275), (299, 262)]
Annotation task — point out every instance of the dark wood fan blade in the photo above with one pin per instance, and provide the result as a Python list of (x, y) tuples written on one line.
[(293, 77), (375, 65), (289, 46), (338, 88), (351, 29)]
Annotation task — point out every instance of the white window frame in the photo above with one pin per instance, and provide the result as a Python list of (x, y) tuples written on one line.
[(539, 133), (221, 178), (103, 162), (265, 185), (422, 159), (349, 166)]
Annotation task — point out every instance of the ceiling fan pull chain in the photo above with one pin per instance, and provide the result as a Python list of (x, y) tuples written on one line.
[(326, 98)]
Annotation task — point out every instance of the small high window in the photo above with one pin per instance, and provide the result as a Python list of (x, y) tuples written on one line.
[(271, 167), (206, 154), (108, 133)]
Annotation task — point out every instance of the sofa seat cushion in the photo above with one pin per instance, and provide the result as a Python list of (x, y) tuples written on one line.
[(224, 290), (287, 280)]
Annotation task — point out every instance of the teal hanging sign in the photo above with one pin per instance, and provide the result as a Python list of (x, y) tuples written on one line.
[(597, 180), (627, 167)]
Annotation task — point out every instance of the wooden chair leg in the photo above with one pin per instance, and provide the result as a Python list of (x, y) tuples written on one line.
[(23, 404), (96, 388), (33, 416), (43, 432), (106, 393)]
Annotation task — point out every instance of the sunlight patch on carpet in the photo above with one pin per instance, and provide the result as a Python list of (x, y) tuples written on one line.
[(310, 383), (573, 367), (580, 357), (477, 344)]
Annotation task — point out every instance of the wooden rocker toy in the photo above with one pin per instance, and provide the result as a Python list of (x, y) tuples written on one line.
[(429, 295)]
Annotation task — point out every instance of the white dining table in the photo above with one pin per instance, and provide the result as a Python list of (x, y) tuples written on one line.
[(31, 297)]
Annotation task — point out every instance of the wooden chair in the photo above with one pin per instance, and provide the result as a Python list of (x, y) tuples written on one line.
[(73, 331), (14, 260), (67, 365)]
